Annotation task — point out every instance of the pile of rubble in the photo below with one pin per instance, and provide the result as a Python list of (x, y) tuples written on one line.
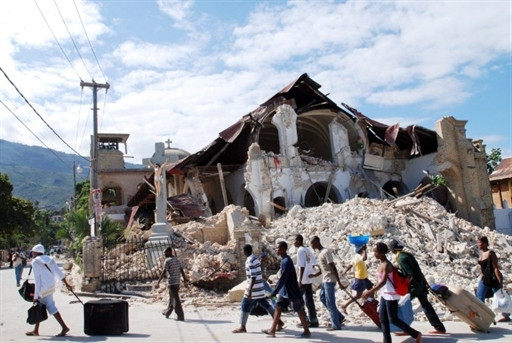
[(444, 245)]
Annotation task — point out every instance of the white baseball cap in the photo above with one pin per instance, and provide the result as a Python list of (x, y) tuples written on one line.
[(38, 248)]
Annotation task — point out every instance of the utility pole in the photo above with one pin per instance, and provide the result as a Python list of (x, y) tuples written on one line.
[(94, 150)]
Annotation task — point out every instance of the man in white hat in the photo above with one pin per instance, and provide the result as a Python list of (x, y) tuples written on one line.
[(46, 275)]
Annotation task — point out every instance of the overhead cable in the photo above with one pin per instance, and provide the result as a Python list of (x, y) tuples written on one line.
[(44, 121), (86, 35), (57, 41), (71, 37), (32, 132)]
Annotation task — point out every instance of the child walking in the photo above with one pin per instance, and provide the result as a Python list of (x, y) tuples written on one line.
[(361, 282)]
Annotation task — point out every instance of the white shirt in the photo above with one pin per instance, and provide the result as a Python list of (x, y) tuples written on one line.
[(45, 278), (306, 260)]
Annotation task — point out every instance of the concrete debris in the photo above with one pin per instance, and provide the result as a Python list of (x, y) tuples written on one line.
[(444, 245)]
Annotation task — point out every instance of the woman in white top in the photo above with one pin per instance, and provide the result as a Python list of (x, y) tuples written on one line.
[(388, 309)]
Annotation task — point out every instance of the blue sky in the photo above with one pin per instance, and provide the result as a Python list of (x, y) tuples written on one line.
[(187, 69)]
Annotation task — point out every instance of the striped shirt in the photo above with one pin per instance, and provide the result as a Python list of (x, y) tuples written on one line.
[(253, 270), (173, 268)]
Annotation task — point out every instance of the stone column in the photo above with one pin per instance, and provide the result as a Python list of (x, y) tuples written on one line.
[(161, 228), (285, 120), (92, 253)]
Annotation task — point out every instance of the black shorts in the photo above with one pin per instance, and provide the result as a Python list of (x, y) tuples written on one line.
[(297, 304)]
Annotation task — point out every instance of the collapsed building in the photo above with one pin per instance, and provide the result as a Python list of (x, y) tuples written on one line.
[(300, 148), (299, 163), (444, 245)]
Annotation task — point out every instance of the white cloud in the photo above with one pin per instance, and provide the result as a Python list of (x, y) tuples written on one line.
[(436, 93), (176, 9), (148, 55), (426, 54), (402, 47)]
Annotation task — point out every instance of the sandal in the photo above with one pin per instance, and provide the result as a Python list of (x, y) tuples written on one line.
[(400, 333), (239, 330), (31, 333), (62, 333), (269, 333)]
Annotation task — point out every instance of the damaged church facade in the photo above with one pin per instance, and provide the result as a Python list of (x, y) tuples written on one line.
[(300, 148)]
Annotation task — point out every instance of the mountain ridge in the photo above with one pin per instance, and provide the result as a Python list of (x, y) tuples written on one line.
[(41, 175)]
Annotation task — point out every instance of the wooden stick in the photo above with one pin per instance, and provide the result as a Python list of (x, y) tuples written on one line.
[(222, 184), (278, 206)]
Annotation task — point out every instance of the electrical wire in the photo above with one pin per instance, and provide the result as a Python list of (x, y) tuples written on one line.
[(71, 37), (88, 40), (44, 121), (103, 110), (32, 132), (57, 41)]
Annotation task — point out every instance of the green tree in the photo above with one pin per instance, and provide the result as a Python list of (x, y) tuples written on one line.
[(493, 159), (46, 228), (17, 223), (75, 228)]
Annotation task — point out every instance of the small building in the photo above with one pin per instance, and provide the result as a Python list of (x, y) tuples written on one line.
[(501, 188), (117, 183)]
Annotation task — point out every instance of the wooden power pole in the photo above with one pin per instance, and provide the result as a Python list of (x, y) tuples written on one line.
[(94, 150)]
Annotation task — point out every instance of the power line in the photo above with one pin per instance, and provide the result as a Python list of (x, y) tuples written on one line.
[(39, 139), (71, 37), (57, 41), (86, 35), (44, 121)]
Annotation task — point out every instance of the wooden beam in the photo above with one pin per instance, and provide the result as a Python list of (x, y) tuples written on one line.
[(222, 184)]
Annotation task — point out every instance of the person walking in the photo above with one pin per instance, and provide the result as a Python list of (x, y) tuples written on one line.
[(361, 281), (418, 286), (388, 309), (288, 289), (173, 268), (492, 278), (46, 275), (17, 262), (11, 253), (305, 263), (255, 291), (329, 279)]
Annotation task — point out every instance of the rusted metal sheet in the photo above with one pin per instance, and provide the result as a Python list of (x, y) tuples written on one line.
[(502, 171), (188, 206)]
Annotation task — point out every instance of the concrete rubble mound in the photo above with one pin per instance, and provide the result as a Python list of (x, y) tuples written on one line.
[(444, 245)]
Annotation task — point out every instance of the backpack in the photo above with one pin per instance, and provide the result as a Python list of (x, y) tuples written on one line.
[(400, 282)]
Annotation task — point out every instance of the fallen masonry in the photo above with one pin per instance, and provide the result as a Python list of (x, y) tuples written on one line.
[(444, 245)]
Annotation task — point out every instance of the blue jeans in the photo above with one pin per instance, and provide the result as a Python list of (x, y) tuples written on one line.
[(249, 304), (328, 298), (482, 290), (17, 272)]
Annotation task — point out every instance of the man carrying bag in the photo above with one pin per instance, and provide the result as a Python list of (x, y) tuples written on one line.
[(46, 275)]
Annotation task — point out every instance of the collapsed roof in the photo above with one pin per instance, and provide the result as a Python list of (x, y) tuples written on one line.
[(231, 146)]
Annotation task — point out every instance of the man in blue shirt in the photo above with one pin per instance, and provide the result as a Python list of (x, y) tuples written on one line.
[(289, 293)]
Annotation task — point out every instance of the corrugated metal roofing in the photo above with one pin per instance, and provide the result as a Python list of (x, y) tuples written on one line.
[(502, 171)]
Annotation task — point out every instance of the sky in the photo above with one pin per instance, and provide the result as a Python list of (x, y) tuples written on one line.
[(186, 69)]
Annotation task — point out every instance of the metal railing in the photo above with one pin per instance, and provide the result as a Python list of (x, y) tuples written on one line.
[(132, 261)]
